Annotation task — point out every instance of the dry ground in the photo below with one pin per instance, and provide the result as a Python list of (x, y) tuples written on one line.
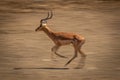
[(25, 54)]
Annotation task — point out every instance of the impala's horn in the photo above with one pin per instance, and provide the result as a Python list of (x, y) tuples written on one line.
[(49, 16)]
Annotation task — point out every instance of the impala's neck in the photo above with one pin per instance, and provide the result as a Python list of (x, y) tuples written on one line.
[(48, 31)]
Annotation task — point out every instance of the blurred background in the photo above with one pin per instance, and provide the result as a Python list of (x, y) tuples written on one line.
[(26, 54)]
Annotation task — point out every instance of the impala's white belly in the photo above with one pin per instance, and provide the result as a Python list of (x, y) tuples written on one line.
[(64, 42)]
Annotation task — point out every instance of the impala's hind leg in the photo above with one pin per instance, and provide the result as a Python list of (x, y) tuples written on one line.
[(79, 49), (82, 53), (54, 50)]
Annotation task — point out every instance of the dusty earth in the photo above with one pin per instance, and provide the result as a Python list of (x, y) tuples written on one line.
[(26, 54)]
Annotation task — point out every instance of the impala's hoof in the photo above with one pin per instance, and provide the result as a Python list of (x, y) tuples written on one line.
[(64, 57), (84, 55), (78, 67)]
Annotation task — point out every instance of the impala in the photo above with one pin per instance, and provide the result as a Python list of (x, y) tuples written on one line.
[(62, 38)]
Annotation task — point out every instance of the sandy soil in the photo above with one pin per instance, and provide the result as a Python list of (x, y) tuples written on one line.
[(26, 54)]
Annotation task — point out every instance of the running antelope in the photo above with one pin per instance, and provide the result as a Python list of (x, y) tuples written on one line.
[(62, 38)]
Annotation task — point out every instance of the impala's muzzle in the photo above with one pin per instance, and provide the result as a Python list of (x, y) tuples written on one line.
[(37, 29)]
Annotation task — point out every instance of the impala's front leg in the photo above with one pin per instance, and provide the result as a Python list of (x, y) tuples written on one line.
[(54, 50)]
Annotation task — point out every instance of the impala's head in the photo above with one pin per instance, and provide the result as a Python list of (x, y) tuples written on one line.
[(43, 22)]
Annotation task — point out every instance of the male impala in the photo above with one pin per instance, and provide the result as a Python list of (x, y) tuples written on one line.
[(62, 38)]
